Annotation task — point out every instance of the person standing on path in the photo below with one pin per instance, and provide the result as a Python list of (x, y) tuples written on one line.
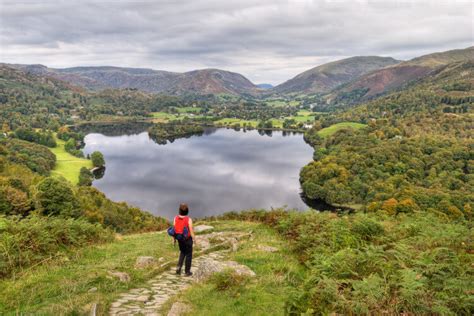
[(182, 222)]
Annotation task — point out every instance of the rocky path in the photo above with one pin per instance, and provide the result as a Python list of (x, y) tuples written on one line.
[(148, 300)]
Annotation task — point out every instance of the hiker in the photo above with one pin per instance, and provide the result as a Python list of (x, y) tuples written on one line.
[(182, 224)]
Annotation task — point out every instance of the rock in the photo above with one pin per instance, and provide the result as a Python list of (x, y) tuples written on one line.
[(240, 269), (92, 290), (267, 248), (203, 243), (179, 309), (122, 276), (144, 262), (201, 228), (93, 309), (234, 243), (209, 266)]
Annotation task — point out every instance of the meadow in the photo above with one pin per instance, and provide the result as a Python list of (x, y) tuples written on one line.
[(67, 165), (328, 131)]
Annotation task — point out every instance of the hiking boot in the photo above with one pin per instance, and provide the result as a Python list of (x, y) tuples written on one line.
[(188, 274), (178, 271)]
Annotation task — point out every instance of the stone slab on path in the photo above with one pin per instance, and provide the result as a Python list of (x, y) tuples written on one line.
[(147, 301), (201, 228)]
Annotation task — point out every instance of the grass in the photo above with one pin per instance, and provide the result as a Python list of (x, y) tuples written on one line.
[(188, 109), (232, 121), (67, 165), (328, 131), (163, 117), (280, 102), (265, 294), (61, 286)]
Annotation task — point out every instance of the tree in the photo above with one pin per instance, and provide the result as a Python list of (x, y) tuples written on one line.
[(85, 177), (97, 159), (55, 197)]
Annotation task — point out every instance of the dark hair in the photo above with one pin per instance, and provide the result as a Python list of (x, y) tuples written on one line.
[(183, 209)]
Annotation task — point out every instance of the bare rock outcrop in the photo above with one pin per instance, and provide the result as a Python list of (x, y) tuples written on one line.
[(208, 267)]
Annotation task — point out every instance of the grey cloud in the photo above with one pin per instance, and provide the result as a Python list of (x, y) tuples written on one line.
[(267, 41)]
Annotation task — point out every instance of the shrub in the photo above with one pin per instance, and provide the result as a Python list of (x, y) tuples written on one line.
[(97, 159), (411, 263), (24, 242), (55, 197)]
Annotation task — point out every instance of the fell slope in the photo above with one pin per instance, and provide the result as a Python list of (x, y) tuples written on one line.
[(204, 81), (326, 77), (394, 77)]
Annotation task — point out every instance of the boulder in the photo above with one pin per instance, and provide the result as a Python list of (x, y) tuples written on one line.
[(179, 309), (144, 262), (122, 276), (267, 248), (201, 228), (209, 266)]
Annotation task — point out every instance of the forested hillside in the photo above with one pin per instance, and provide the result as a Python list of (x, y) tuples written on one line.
[(416, 154), (43, 102)]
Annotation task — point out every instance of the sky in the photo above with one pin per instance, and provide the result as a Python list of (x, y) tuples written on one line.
[(268, 41)]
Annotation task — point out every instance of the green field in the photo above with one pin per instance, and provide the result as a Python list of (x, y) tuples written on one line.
[(328, 131), (279, 102), (166, 117), (188, 109), (232, 121), (67, 165)]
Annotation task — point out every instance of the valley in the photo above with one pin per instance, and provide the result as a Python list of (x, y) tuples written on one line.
[(94, 162)]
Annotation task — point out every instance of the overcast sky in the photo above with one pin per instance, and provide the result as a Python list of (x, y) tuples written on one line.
[(266, 41)]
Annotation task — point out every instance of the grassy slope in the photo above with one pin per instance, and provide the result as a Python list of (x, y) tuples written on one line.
[(61, 286), (328, 131), (67, 165)]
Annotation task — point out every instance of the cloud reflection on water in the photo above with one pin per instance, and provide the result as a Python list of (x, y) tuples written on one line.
[(221, 171)]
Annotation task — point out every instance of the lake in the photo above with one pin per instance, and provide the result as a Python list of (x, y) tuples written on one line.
[(222, 170)]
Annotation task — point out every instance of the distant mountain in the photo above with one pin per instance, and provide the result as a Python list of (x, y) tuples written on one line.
[(205, 81), (393, 77), (265, 86), (326, 77)]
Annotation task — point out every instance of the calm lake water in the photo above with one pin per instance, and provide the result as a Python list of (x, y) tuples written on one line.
[(222, 170)]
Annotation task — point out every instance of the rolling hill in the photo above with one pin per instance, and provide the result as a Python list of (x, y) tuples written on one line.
[(326, 77), (205, 81), (394, 77)]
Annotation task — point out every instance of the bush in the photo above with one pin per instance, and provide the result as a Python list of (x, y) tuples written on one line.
[(55, 197), (85, 177), (412, 263), (24, 242), (97, 159), (36, 157)]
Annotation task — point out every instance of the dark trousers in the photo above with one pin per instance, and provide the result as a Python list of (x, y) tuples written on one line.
[(185, 254)]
